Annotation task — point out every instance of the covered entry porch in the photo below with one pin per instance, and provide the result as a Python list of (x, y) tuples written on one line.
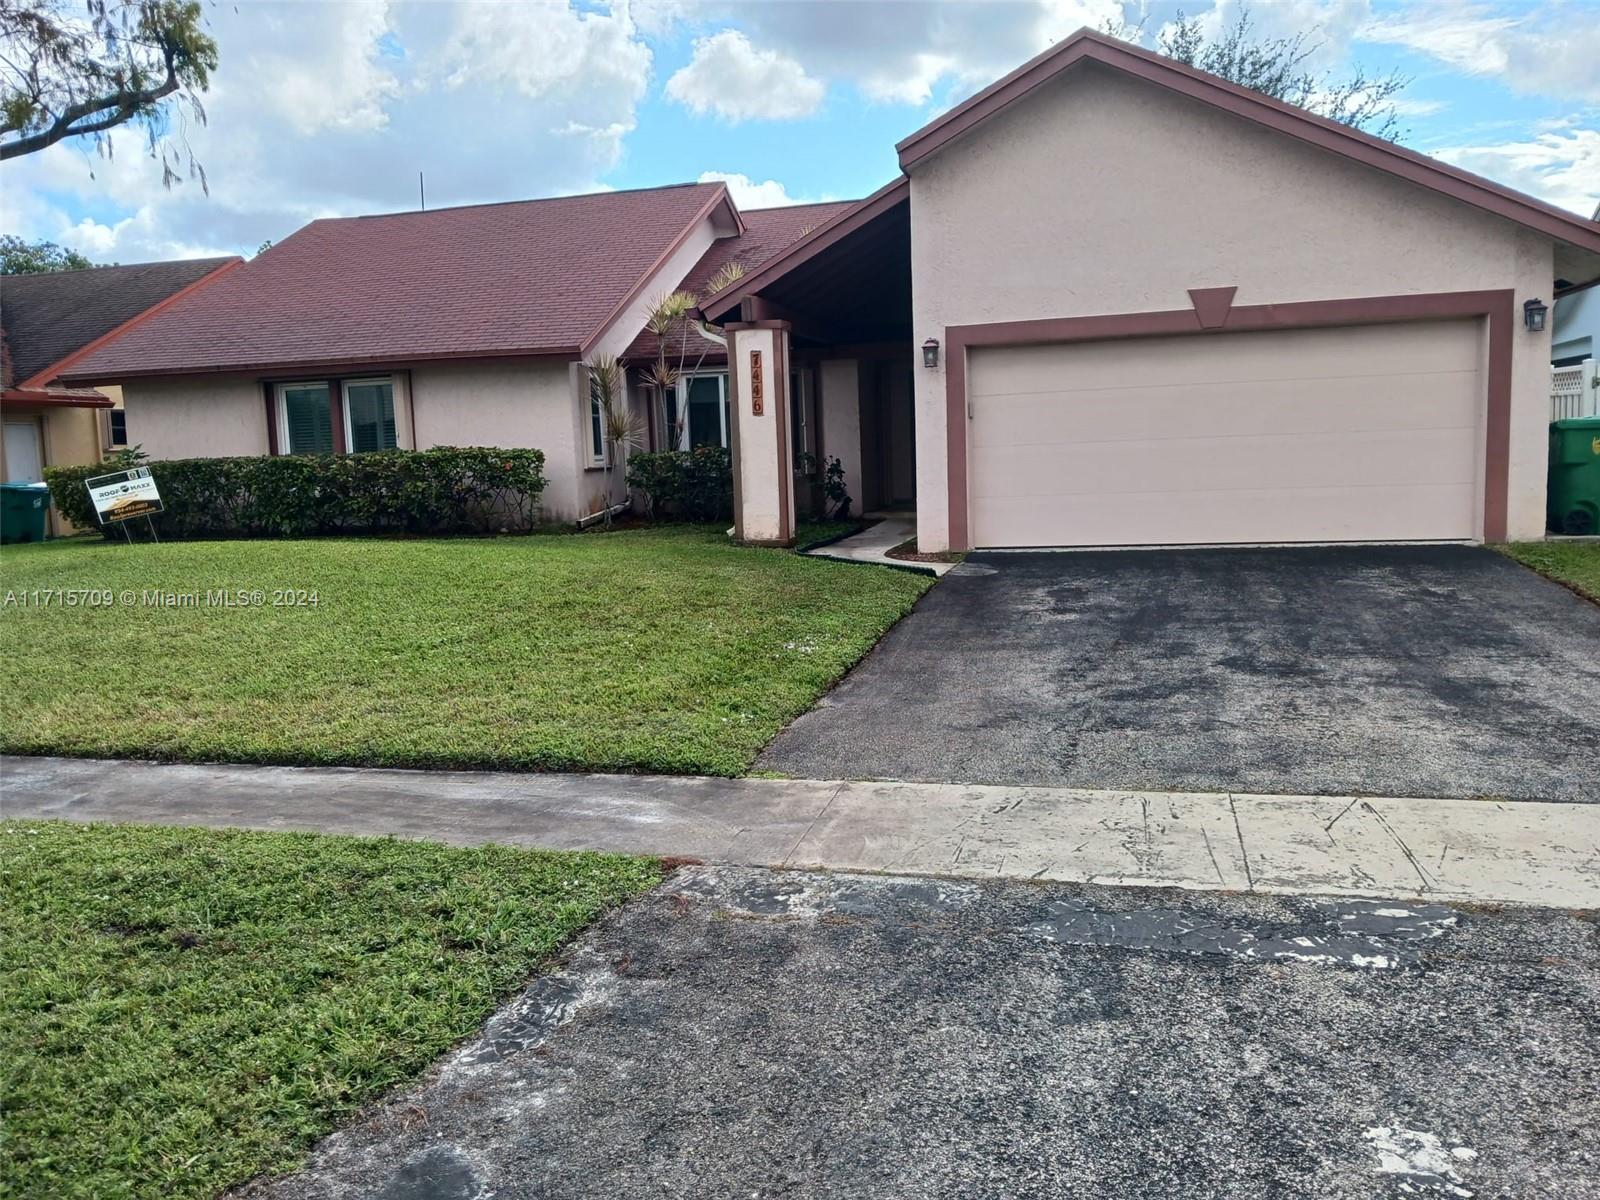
[(820, 367)]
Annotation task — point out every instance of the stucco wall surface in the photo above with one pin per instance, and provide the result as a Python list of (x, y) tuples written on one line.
[(210, 416), (519, 403)]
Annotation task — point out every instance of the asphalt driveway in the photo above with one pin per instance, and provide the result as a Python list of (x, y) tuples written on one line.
[(758, 1034), (1443, 671)]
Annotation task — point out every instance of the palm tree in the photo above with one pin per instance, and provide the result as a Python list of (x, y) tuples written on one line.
[(671, 320), (619, 425)]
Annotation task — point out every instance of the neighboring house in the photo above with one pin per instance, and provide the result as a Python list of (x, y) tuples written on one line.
[(50, 321), (1112, 300), (1575, 325), (1575, 332)]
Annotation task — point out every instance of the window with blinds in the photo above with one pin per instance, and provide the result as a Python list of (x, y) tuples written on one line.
[(307, 420), (369, 415), (365, 416)]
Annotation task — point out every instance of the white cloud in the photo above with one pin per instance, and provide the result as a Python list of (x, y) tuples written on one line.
[(747, 193), (906, 51), (332, 109), (729, 76), (913, 80), (1562, 167), (1418, 108), (1552, 51), (1328, 25), (592, 66), (334, 82), (323, 109), (658, 18)]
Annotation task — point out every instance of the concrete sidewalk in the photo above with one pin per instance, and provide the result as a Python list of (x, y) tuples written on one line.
[(1527, 852)]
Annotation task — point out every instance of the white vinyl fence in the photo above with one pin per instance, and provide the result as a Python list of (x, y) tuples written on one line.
[(1575, 391)]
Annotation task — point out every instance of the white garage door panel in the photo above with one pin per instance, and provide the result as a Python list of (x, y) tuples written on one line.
[(1313, 406), (1362, 434), (1409, 457), (1301, 515), (1400, 348)]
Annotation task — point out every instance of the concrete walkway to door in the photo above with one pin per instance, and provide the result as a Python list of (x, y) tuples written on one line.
[(1533, 853), (872, 545)]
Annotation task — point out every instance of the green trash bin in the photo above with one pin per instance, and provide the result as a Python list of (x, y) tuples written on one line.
[(1574, 494), (22, 511)]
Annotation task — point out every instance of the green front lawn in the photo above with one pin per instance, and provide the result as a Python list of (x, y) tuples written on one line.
[(181, 1009), (651, 650), (1576, 564)]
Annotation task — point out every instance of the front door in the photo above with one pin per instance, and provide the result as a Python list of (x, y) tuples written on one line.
[(24, 451)]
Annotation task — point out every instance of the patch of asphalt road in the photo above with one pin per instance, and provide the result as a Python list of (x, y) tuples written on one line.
[(1364, 670), (751, 1033)]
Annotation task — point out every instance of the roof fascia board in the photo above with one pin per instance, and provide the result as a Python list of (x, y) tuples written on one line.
[(1563, 293), (289, 368), (979, 107), (54, 398)]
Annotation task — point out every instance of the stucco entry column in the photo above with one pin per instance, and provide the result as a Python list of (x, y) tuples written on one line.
[(763, 474)]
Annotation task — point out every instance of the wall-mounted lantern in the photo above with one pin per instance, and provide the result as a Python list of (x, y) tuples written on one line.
[(930, 353), (1533, 313)]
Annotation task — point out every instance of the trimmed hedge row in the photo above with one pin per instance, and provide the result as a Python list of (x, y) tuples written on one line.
[(685, 485), (447, 489)]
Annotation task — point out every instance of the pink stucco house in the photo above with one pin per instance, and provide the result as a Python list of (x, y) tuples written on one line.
[(1111, 300)]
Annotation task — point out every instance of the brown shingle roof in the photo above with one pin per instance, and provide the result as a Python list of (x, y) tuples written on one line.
[(767, 232), (529, 277), (48, 316)]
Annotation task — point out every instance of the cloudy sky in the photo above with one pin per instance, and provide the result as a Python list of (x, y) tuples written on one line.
[(332, 108)]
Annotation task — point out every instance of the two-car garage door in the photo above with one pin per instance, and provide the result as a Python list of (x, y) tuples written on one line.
[(1370, 433)]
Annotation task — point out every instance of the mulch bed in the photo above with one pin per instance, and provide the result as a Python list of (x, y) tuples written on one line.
[(907, 551)]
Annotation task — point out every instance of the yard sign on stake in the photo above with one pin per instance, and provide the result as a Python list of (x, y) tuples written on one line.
[(123, 495)]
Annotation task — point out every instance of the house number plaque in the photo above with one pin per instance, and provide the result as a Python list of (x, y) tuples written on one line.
[(757, 389)]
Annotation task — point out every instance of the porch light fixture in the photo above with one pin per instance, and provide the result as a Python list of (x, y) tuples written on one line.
[(930, 352), (1533, 313)]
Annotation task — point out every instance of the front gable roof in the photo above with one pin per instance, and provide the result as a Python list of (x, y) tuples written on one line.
[(533, 277), (1088, 46)]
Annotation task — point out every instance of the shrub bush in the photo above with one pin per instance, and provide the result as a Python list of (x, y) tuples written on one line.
[(685, 485), (448, 489)]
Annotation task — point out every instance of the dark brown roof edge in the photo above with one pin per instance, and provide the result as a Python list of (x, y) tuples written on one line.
[(1562, 293), (278, 367), (57, 397), (57, 369), (808, 247), (1286, 118), (449, 208)]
